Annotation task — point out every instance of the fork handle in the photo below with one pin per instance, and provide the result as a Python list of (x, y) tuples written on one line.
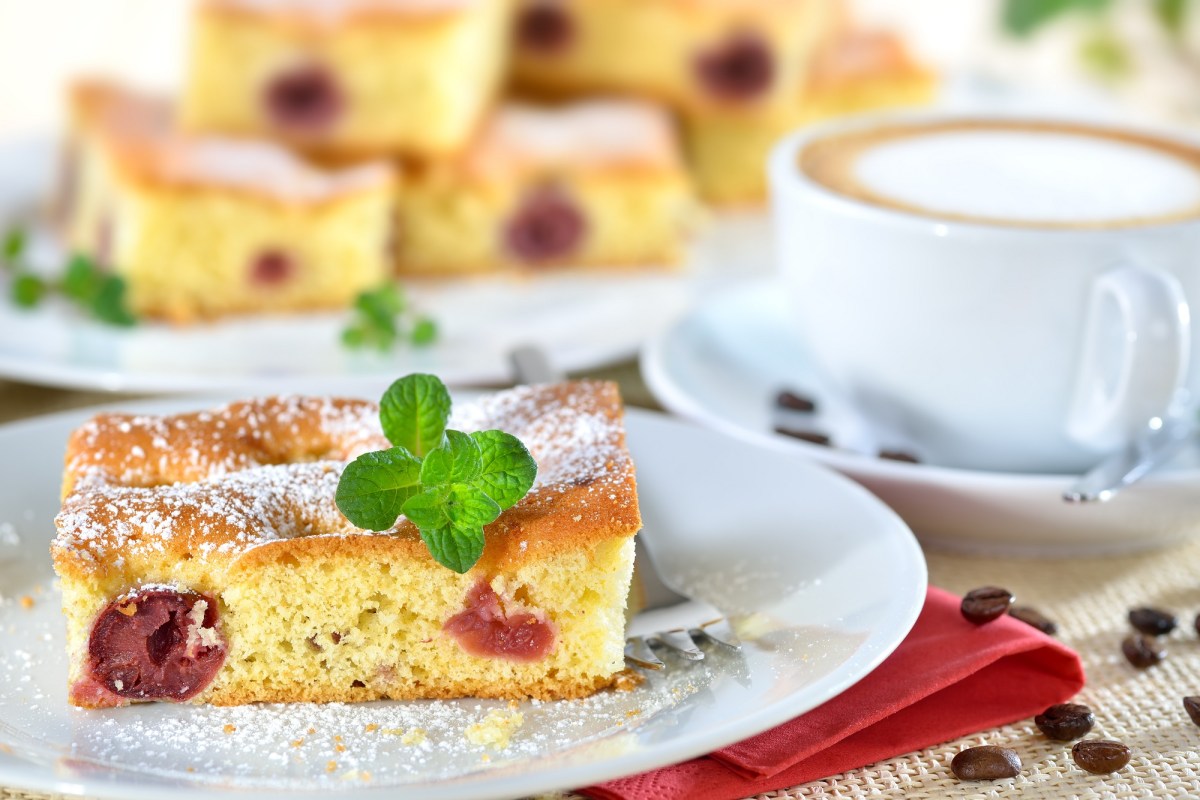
[(530, 364)]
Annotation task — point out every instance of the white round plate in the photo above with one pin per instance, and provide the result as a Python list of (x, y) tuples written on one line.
[(830, 581), (581, 319), (723, 364)]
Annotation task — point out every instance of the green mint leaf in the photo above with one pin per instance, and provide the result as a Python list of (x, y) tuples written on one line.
[(28, 290), (354, 336), (1024, 17), (458, 549), (375, 486), (414, 411), (1172, 14), (508, 468), (14, 245), (82, 279), (424, 332), (458, 460), (451, 521), (108, 305), (469, 506), (428, 509)]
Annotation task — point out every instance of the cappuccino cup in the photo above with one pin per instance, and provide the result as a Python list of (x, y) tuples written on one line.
[(1011, 294)]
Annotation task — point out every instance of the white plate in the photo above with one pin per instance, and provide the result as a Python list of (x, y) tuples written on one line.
[(581, 319), (723, 363), (832, 581)]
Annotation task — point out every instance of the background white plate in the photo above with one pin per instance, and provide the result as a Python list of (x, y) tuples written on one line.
[(832, 578), (723, 364), (581, 319)]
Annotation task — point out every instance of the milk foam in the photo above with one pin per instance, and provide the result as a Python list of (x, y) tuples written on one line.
[(1049, 176)]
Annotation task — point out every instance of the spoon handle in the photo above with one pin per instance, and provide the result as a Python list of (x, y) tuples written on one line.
[(1132, 462)]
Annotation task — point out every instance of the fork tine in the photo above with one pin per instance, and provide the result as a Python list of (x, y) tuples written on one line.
[(681, 642), (638, 651), (721, 632)]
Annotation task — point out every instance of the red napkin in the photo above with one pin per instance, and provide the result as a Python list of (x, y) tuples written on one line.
[(948, 678)]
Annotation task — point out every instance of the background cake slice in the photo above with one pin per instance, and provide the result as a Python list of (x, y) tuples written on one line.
[(202, 226), (856, 72), (202, 559), (599, 183), (689, 54), (350, 78)]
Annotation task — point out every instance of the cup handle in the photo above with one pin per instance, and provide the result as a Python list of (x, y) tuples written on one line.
[(1136, 342)]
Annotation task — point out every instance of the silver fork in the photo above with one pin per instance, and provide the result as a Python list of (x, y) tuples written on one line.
[(677, 623), (685, 621)]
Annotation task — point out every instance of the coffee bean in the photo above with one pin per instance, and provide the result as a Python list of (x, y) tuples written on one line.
[(1100, 756), (986, 604), (1066, 721), (812, 437), (1031, 616), (1192, 706), (1196, 624), (1152, 621), (795, 402), (1143, 651), (986, 763), (899, 455)]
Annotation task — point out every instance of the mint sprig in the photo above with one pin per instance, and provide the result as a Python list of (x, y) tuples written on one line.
[(448, 483), (381, 319), (92, 288)]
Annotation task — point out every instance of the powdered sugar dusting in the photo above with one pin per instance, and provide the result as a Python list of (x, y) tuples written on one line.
[(334, 11), (597, 133), (225, 481)]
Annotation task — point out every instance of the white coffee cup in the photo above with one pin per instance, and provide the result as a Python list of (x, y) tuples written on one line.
[(1011, 294)]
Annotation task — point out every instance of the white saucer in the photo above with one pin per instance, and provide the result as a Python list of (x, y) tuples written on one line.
[(580, 319), (824, 580), (723, 364)]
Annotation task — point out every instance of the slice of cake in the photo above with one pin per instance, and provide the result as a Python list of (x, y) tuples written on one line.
[(599, 183), (856, 72), (350, 77), (690, 54), (201, 227), (203, 559)]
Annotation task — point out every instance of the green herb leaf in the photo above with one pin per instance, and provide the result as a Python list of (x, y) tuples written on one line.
[(424, 332), (28, 290), (414, 412), (508, 469), (1172, 14), (458, 460), (374, 487), (108, 305), (82, 278), (14, 245), (1023, 17), (449, 484), (457, 549), (469, 506), (379, 320), (429, 508)]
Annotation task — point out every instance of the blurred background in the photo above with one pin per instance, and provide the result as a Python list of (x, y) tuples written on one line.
[(1145, 54)]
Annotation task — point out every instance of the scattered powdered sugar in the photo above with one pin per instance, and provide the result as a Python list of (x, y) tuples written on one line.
[(215, 479), (333, 11), (573, 440), (291, 746), (594, 133), (389, 742), (262, 168)]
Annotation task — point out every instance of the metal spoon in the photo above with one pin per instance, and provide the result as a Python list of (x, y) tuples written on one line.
[(1156, 445)]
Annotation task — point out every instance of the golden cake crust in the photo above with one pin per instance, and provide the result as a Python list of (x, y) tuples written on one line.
[(316, 15), (598, 135), (253, 483), (137, 131)]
